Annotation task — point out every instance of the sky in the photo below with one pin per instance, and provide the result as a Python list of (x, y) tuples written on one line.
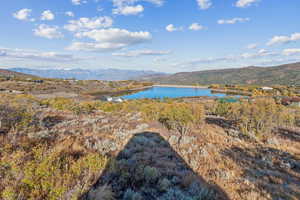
[(160, 35)]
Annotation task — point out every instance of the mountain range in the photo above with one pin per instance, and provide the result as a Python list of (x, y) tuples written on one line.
[(288, 74), (82, 74)]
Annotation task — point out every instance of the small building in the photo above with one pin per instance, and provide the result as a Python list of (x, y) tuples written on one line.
[(106, 98), (38, 81), (291, 101), (112, 99), (117, 100), (266, 88)]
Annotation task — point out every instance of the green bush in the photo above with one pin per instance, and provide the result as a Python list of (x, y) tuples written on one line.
[(181, 116), (48, 174), (260, 116), (151, 174), (131, 195), (164, 184), (222, 109)]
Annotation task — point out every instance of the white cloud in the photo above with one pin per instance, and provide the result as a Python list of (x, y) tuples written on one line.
[(23, 14), (87, 23), (78, 2), (69, 14), (128, 7), (196, 27), (142, 53), (172, 28), (259, 53), (284, 39), (252, 46), (92, 46), (288, 52), (204, 4), (47, 15), (115, 35), (36, 55), (245, 3), (46, 31), (129, 10), (233, 21), (109, 39), (121, 3), (196, 62)]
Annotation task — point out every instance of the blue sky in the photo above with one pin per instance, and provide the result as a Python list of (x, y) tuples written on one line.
[(160, 35)]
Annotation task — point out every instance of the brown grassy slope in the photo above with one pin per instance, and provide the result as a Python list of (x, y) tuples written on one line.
[(8, 73), (145, 156), (284, 74)]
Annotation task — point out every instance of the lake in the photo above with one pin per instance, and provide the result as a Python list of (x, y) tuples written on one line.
[(172, 92)]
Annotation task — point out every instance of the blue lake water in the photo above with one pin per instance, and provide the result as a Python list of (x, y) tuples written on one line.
[(172, 92)]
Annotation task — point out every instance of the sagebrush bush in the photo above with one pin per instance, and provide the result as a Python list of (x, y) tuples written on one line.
[(131, 195), (222, 109), (101, 193), (164, 184), (16, 118), (151, 174), (59, 103), (42, 172), (261, 116), (174, 193), (181, 116), (172, 114)]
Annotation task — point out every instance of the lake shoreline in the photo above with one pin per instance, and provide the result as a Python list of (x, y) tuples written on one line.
[(175, 91), (181, 86), (97, 95)]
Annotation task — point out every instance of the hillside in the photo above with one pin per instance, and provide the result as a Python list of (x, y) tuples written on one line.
[(284, 74), (82, 74), (10, 73), (148, 150)]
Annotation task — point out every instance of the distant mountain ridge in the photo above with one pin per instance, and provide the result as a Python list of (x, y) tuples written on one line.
[(81, 74), (288, 74)]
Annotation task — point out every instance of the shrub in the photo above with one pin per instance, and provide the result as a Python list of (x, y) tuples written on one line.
[(222, 109), (85, 107), (261, 116), (181, 116), (65, 104), (101, 193), (39, 173), (151, 174), (164, 184), (131, 195), (110, 107), (59, 103), (297, 118), (201, 193), (174, 193), (15, 118)]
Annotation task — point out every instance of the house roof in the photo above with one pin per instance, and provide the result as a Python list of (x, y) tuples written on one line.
[(289, 100)]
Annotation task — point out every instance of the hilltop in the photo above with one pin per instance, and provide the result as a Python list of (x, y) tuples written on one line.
[(288, 74), (10, 73), (21, 83)]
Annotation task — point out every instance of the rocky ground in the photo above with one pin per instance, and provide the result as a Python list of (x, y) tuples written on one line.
[(219, 157), (213, 161)]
